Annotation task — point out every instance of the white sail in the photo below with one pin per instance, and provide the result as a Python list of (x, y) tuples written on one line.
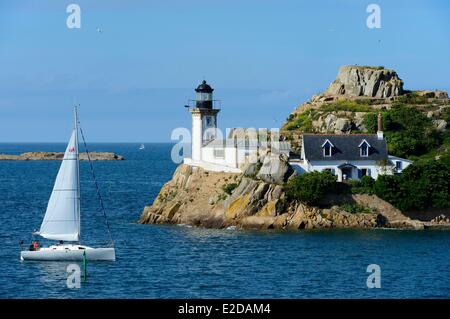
[(62, 218)]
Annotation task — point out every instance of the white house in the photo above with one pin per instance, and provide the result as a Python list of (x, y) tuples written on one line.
[(349, 156), (208, 149)]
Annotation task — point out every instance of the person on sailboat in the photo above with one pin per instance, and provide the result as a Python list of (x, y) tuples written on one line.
[(35, 245)]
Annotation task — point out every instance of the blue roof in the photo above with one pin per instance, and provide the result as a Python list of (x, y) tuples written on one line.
[(346, 147)]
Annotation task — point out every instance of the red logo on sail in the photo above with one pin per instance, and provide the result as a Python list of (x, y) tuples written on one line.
[(72, 150)]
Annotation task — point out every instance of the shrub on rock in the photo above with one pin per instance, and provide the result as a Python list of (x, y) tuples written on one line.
[(420, 186), (310, 188)]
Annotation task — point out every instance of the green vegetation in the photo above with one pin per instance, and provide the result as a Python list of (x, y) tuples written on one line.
[(370, 122), (310, 188), (446, 115), (408, 130), (301, 122), (380, 67), (347, 105), (442, 151), (229, 188), (363, 186), (422, 185), (221, 197), (412, 98), (354, 208)]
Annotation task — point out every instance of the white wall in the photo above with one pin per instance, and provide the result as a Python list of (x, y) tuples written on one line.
[(404, 162), (196, 137), (306, 166), (229, 156)]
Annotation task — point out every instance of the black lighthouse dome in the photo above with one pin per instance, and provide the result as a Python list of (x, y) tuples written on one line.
[(204, 98), (204, 88)]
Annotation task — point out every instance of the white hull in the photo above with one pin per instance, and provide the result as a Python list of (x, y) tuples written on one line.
[(69, 253)]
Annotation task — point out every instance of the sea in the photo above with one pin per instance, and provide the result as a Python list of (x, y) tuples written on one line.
[(178, 261)]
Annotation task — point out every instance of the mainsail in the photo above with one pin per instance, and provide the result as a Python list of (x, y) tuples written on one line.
[(62, 218)]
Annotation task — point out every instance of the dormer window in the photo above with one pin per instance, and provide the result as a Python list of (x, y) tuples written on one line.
[(327, 147), (364, 147)]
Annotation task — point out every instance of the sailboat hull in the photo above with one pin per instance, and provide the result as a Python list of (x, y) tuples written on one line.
[(69, 253)]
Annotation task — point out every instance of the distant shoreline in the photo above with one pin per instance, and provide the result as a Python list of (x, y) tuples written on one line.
[(57, 156), (90, 143)]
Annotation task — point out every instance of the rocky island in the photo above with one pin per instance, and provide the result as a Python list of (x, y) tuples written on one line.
[(260, 198), (53, 156), (200, 198)]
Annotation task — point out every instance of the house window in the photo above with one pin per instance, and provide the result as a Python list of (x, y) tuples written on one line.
[(331, 170), (364, 149), (327, 149), (398, 165), (364, 172)]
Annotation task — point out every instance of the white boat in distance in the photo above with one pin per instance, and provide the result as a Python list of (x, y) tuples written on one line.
[(62, 217), (142, 147)]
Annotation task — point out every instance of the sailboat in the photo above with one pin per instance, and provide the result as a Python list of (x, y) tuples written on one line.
[(62, 217), (142, 147)]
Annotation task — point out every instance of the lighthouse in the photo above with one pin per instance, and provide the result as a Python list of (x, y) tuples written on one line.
[(204, 120), (209, 150)]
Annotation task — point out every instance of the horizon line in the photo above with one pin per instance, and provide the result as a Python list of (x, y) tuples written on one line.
[(97, 142)]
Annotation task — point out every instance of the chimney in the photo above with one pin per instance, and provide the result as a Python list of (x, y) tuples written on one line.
[(380, 134)]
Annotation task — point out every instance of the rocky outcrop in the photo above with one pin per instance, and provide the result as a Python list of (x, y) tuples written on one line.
[(275, 169), (433, 94), (191, 197), (340, 122), (197, 197), (375, 82), (52, 156), (393, 217), (311, 218)]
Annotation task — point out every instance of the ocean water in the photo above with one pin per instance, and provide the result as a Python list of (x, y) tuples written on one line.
[(159, 261)]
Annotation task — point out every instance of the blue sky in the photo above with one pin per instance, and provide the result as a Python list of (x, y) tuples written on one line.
[(262, 57)]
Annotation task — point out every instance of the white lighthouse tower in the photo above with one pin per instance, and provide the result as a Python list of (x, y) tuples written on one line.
[(204, 120), (208, 149)]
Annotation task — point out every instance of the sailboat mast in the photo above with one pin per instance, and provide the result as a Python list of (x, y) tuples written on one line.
[(75, 109)]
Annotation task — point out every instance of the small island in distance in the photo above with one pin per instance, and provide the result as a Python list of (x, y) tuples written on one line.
[(55, 156)]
